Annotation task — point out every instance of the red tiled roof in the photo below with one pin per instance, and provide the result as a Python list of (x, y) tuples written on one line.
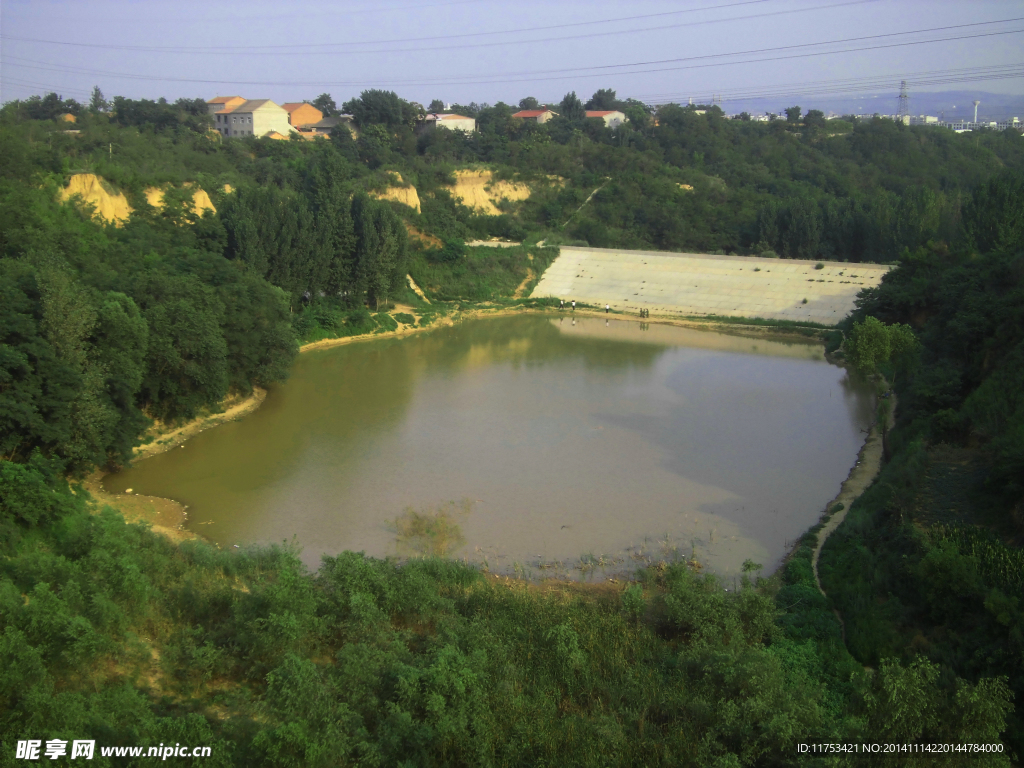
[(223, 99), (531, 113), (592, 113)]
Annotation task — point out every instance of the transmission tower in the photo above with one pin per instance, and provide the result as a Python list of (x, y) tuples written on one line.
[(903, 113)]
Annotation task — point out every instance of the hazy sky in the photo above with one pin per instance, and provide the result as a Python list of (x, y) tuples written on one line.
[(491, 50)]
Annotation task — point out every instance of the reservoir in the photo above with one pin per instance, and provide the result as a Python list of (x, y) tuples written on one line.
[(531, 444)]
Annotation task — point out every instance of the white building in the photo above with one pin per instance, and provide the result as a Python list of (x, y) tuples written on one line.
[(452, 122), (612, 117)]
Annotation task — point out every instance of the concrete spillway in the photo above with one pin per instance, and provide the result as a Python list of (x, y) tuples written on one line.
[(700, 284)]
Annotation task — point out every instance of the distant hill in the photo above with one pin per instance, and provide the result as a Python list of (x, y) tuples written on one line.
[(954, 104)]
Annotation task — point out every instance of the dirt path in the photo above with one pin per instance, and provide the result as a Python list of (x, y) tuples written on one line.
[(521, 290), (606, 180), (869, 462), (416, 289)]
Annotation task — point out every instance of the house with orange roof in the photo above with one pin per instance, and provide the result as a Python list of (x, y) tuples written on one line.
[(235, 117), (302, 113), (612, 117), (213, 106), (536, 115)]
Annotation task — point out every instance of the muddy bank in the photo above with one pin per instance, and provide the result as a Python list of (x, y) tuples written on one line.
[(863, 474), (167, 516)]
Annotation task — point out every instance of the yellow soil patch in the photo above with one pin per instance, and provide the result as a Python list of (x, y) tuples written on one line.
[(416, 289), (108, 204), (404, 195), (161, 437), (201, 202), (478, 190), (228, 189), (521, 290), (685, 187), (423, 237)]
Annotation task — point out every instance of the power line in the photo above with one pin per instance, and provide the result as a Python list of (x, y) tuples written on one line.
[(304, 49), (913, 78), (466, 46), (587, 72), (853, 85)]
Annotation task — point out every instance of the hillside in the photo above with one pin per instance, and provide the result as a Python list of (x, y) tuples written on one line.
[(109, 323)]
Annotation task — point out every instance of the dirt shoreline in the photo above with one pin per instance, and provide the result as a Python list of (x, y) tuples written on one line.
[(168, 517), (863, 474)]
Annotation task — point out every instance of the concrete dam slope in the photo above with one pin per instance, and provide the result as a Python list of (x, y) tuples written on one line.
[(701, 284)]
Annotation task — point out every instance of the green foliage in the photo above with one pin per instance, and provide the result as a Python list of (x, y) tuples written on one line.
[(872, 343), (113, 633), (376, 107)]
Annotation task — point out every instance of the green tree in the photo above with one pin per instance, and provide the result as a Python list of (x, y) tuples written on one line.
[(815, 119), (376, 107), (97, 103), (381, 243), (994, 216), (602, 100), (571, 108), (872, 343), (436, 106), (187, 356), (793, 115), (325, 104), (529, 103)]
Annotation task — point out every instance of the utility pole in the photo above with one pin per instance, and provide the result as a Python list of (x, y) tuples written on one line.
[(903, 113)]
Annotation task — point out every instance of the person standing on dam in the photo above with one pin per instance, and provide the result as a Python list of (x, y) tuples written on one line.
[(607, 308), (561, 303), (574, 305)]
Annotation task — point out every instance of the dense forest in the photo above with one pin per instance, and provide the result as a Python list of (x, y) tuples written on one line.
[(111, 632)]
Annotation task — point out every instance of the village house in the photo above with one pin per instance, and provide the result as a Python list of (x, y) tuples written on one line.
[(302, 113), (323, 127), (235, 117), (221, 103), (537, 115), (452, 122), (612, 118)]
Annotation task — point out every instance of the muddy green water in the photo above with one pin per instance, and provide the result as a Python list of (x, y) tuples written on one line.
[(558, 444)]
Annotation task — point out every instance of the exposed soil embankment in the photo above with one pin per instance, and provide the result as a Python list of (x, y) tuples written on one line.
[(479, 190), (108, 204), (400, 193), (201, 202)]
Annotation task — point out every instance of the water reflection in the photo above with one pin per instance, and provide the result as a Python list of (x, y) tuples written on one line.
[(594, 439)]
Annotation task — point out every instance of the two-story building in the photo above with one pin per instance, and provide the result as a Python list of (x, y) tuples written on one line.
[(302, 113), (235, 117)]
